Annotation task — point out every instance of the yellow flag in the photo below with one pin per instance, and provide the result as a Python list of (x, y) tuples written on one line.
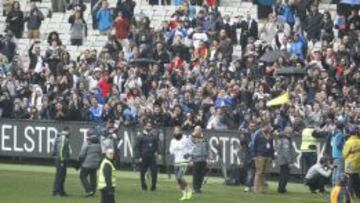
[(282, 99)]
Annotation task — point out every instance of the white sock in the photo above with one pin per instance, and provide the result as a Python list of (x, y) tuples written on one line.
[(184, 192)]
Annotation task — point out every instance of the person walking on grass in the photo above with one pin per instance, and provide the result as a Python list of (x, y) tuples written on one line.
[(90, 158), (107, 178), (285, 157), (146, 153), (199, 155), (263, 151), (181, 147), (61, 154)]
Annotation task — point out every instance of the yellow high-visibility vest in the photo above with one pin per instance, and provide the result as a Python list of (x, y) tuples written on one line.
[(101, 178), (307, 140)]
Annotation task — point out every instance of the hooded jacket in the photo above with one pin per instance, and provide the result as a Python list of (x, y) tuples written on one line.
[(91, 154)]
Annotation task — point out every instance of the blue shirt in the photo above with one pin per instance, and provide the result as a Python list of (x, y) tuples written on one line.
[(105, 19), (337, 144), (96, 113)]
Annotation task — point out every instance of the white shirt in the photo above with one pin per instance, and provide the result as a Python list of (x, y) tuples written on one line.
[(317, 169), (92, 82), (39, 65), (197, 38), (179, 148)]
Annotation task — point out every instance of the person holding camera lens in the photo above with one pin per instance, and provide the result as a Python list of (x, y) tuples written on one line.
[(318, 175), (199, 155), (181, 147), (146, 152)]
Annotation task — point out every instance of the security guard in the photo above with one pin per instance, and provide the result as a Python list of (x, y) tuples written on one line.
[(107, 179), (146, 151), (308, 149), (61, 154)]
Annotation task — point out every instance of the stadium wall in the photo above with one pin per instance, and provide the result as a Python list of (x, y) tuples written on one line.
[(34, 139)]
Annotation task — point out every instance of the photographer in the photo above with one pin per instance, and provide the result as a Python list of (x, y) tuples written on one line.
[(318, 175)]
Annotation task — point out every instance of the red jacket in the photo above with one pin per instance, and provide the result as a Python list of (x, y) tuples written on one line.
[(122, 27), (105, 87), (211, 2)]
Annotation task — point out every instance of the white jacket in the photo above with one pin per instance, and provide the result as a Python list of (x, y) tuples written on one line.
[(179, 148)]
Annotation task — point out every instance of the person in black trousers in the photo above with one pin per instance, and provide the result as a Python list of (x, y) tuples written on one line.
[(318, 175), (90, 158), (61, 153), (285, 157), (107, 177), (246, 146), (146, 152), (199, 157)]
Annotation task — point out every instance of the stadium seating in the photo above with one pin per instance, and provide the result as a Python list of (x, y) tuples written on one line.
[(59, 22)]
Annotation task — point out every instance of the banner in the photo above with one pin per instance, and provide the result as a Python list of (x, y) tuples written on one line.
[(34, 139)]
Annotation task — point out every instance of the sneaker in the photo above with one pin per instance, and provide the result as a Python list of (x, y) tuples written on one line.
[(189, 195), (183, 198), (247, 189), (90, 194)]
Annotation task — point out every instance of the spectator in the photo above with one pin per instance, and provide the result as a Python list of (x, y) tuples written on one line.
[(96, 110), (286, 12), (34, 19), (77, 5), (297, 46), (15, 20), (58, 6), (327, 32), (78, 29), (122, 28), (54, 36), (249, 29), (268, 31), (314, 23), (7, 6), (8, 47), (104, 18), (127, 8)]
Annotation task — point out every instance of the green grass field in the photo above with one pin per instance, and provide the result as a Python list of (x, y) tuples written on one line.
[(33, 184)]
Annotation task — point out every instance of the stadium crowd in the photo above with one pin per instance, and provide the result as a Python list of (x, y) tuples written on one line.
[(184, 73), (189, 76)]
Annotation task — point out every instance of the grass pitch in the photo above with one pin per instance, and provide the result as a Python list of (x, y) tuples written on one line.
[(33, 184)]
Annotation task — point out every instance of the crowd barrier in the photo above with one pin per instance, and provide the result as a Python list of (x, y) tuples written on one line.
[(34, 139)]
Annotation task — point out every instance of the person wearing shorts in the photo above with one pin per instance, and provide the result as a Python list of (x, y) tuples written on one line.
[(181, 147)]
